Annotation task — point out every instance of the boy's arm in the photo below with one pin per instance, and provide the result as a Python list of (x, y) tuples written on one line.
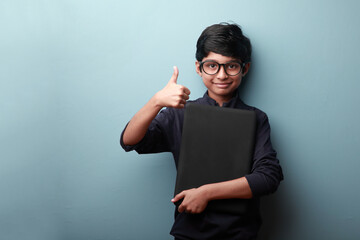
[(172, 95), (195, 200)]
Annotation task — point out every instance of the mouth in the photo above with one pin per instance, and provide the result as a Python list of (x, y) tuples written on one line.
[(222, 85)]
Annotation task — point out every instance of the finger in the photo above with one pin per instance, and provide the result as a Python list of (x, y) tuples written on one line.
[(185, 96), (181, 208), (180, 105), (182, 100), (178, 197), (187, 91), (175, 75)]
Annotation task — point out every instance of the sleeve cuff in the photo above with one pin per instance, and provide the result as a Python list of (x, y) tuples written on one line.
[(257, 184), (127, 148)]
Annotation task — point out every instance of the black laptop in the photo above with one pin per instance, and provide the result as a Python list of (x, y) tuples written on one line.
[(217, 145)]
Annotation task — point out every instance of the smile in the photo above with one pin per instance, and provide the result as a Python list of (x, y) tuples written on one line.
[(222, 85)]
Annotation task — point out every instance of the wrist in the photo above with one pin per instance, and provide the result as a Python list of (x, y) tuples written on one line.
[(156, 101), (206, 191)]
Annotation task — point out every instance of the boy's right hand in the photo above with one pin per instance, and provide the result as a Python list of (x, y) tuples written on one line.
[(173, 94)]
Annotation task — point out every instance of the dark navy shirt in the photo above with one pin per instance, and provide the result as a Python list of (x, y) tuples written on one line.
[(164, 135)]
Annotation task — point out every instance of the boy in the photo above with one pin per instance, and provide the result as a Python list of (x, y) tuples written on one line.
[(223, 58)]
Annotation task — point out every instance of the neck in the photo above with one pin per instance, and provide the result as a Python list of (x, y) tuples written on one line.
[(222, 99)]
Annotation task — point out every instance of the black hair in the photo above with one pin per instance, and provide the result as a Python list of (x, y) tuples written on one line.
[(225, 39)]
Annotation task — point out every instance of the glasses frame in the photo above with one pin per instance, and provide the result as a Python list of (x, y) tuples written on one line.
[(242, 65)]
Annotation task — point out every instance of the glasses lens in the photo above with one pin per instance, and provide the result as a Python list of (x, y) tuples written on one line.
[(210, 67), (233, 68)]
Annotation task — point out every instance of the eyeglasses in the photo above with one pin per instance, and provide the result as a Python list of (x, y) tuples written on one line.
[(231, 68)]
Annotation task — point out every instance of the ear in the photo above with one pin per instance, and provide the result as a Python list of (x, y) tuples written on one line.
[(197, 68), (246, 69)]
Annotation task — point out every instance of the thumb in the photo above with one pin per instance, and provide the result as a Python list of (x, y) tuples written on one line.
[(174, 76)]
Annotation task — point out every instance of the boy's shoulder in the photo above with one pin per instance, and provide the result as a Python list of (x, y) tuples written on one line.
[(261, 116), (258, 111)]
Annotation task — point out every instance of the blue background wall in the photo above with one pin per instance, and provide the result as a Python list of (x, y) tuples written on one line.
[(73, 72)]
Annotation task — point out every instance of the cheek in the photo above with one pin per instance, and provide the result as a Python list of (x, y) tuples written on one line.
[(206, 79), (237, 81)]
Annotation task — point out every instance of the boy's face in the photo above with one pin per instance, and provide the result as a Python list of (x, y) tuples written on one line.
[(221, 86)]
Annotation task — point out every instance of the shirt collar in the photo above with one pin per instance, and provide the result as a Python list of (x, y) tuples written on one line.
[(232, 103)]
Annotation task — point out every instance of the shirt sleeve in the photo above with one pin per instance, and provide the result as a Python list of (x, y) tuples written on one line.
[(266, 172), (155, 139)]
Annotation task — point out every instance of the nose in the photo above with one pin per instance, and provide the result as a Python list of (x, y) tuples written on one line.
[(222, 74)]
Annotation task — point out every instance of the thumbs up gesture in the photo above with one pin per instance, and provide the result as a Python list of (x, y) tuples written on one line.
[(173, 94)]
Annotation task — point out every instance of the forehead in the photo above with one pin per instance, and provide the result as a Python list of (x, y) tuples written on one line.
[(218, 58)]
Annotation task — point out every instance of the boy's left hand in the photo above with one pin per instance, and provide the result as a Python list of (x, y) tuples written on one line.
[(194, 200)]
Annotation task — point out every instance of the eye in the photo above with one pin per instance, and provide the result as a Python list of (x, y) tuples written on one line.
[(211, 65), (233, 66)]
